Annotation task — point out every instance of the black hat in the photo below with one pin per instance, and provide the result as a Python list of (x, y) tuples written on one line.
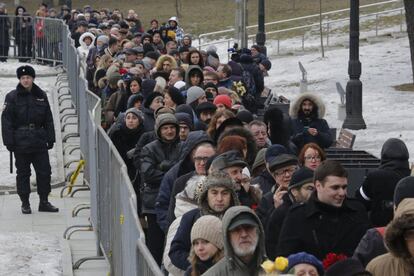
[(131, 51), (206, 106), (245, 218), (245, 116), (25, 70), (186, 109), (147, 87), (210, 85), (404, 189), (150, 98), (277, 156), (184, 118), (152, 55), (228, 159), (301, 177), (82, 23), (183, 49), (176, 95)]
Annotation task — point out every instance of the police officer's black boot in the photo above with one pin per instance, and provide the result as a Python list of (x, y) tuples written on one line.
[(25, 204), (46, 206)]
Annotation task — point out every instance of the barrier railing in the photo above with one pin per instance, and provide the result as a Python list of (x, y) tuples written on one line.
[(113, 212), (304, 24)]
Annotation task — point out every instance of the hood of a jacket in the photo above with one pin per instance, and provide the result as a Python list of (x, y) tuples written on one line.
[(166, 119), (83, 44), (297, 104), (394, 234), (189, 70), (394, 155), (260, 253)]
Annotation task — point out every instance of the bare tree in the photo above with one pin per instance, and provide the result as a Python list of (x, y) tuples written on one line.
[(320, 27), (409, 17)]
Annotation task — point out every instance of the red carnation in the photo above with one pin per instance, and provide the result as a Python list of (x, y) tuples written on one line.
[(332, 258), (123, 71)]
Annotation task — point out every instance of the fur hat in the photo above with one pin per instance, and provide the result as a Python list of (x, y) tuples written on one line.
[(25, 70), (315, 99), (208, 228), (193, 93)]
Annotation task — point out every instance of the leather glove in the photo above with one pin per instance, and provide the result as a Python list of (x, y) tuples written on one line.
[(10, 148)]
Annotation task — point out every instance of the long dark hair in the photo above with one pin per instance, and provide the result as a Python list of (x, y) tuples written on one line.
[(194, 259)]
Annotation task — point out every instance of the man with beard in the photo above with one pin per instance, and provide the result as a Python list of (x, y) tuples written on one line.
[(205, 111), (308, 125), (243, 244)]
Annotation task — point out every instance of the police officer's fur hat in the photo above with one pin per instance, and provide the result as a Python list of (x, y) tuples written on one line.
[(25, 70)]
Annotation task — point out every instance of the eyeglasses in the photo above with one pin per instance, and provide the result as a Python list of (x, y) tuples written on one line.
[(313, 158), (289, 171), (201, 159)]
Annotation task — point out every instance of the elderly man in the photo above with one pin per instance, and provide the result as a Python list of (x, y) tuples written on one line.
[(328, 222), (259, 131), (243, 244)]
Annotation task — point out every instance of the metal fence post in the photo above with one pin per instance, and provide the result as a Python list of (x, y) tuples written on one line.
[(376, 24)]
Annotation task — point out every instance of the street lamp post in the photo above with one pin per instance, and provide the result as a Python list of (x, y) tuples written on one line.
[(354, 119), (261, 35)]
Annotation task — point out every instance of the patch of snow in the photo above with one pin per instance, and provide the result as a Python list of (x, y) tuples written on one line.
[(30, 254)]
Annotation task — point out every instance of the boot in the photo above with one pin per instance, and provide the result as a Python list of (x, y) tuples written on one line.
[(45, 205), (25, 204)]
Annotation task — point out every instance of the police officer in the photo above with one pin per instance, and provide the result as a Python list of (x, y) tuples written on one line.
[(28, 131)]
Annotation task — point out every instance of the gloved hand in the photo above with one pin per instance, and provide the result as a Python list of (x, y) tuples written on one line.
[(49, 146), (165, 165), (10, 148)]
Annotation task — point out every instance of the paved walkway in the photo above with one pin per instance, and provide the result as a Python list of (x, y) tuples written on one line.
[(81, 244)]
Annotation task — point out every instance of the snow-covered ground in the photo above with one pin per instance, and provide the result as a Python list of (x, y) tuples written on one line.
[(46, 80), (385, 110), (32, 253)]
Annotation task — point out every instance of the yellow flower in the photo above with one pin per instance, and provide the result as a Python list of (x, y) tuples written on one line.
[(268, 266), (281, 263)]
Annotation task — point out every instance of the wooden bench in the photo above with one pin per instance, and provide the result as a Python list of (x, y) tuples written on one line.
[(345, 140)]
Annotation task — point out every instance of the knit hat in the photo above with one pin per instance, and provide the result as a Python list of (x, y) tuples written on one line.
[(186, 109), (345, 267), (404, 189), (305, 258), (25, 70), (165, 119), (175, 95), (301, 177), (151, 97), (113, 78), (245, 116), (210, 85), (259, 160), (228, 159), (193, 93), (266, 64), (103, 38), (206, 106), (277, 156), (184, 118), (224, 100), (134, 98), (162, 110), (208, 228), (137, 113)]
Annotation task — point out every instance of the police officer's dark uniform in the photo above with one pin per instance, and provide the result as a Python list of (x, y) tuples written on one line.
[(28, 131)]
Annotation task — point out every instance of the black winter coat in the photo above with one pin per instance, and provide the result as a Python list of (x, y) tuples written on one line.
[(371, 246), (157, 158), (266, 206), (301, 137), (26, 121), (319, 229), (124, 140)]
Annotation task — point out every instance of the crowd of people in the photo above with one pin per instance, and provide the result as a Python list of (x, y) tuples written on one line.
[(220, 189)]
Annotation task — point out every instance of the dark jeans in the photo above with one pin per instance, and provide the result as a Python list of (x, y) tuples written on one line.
[(155, 238), (41, 164)]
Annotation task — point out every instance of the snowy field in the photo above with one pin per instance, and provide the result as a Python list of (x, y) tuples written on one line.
[(385, 110), (30, 254), (46, 80)]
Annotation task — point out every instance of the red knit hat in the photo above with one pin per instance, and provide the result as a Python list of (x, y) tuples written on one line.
[(224, 100)]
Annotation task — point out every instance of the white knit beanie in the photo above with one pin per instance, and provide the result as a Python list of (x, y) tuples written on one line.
[(208, 228)]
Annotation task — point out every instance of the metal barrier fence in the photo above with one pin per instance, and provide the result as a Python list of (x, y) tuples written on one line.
[(26, 37), (114, 216)]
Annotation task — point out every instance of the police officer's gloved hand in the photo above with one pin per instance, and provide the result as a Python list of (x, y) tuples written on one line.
[(49, 146), (10, 148)]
